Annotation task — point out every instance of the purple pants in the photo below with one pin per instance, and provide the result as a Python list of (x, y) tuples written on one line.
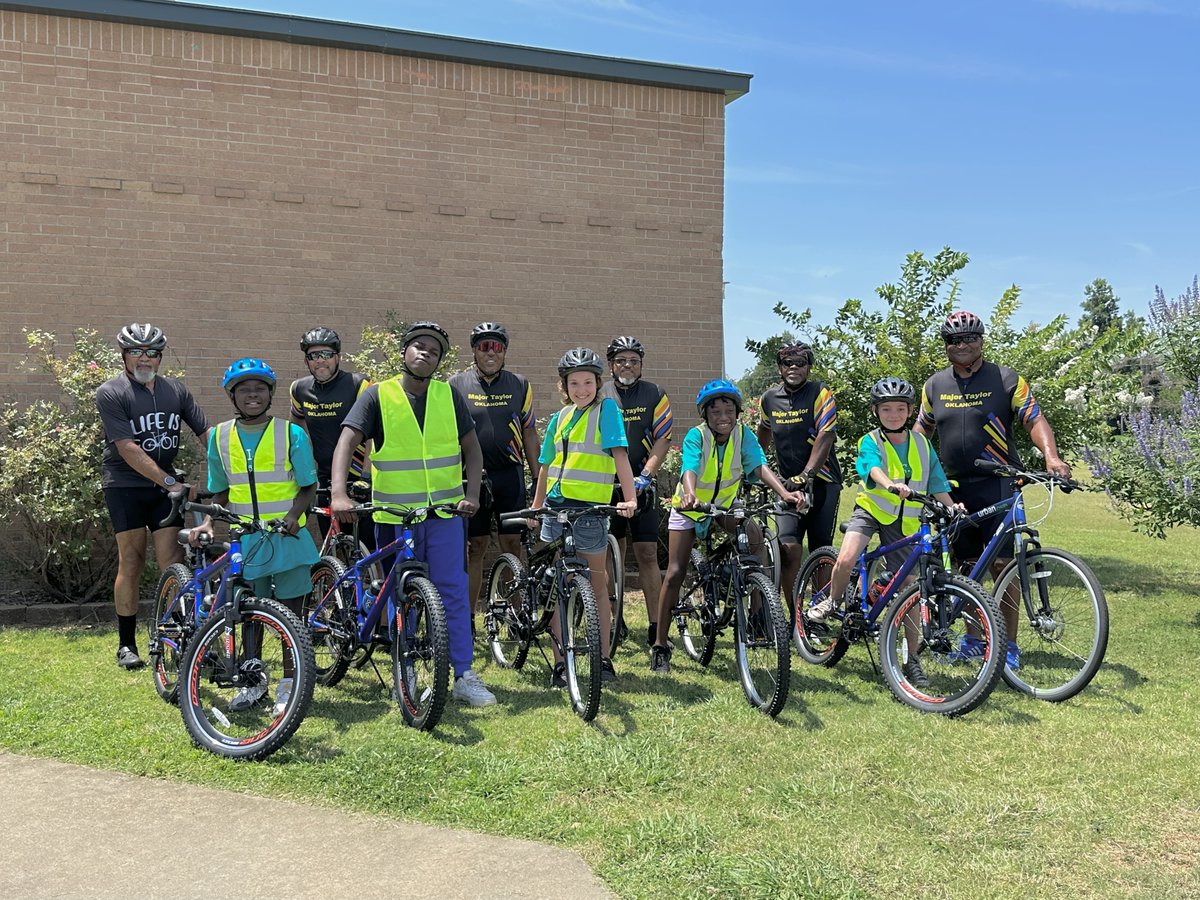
[(442, 545)]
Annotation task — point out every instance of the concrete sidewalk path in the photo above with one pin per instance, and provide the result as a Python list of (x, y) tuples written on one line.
[(76, 832)]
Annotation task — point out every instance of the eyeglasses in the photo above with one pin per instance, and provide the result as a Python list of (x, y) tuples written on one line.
[(320, 354), (142, 351), (490, 346), (961, 339), (627, 362)]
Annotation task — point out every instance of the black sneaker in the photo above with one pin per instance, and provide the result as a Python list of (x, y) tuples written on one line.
[(915, 674), (607, 673), (127, 658), (652, 636), (558, 678), (660, 659)]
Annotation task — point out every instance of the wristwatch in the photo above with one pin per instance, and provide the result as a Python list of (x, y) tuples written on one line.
[(169, 481)]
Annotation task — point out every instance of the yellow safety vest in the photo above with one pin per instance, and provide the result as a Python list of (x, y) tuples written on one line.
[(416, 466), (265, 486), (581, 467), (885, 506), (713, 486)]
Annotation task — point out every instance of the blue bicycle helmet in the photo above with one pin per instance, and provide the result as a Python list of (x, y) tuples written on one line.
[(719, 387), (246, 369)]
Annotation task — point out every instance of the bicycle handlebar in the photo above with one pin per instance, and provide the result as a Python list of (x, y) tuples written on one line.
[(179, 502), (408, 516), (1004, 470), (571, 512)]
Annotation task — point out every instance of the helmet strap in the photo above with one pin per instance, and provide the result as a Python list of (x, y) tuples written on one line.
[(887, 430)]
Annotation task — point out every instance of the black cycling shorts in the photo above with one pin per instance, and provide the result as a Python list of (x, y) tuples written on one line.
[(642, 528), (135, 508), (507, 495), (975, 495), (816, 525)]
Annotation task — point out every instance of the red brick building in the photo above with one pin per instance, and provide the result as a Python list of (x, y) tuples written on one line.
[(237, 177)]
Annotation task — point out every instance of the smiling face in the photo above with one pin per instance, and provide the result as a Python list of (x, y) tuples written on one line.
[(322, 362), (252, 398), (793, 370), (964, 350), (721, 415), (422, 356), (626, 367), (489, 357), (893, 414), (582, 387)]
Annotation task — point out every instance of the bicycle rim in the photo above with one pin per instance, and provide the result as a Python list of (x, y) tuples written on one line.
[(1063, 635), (695, 615), (761, 645), (331, 627), (581, 647), (421, 655), (168, 631), (506, 623), (615, 564), (818, 643)]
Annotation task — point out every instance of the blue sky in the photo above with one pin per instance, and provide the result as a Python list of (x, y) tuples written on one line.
[(1055, 141)]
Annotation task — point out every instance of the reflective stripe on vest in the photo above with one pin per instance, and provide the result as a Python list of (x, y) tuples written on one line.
[(584, 470), (273, 485), (886, 506), (713, 487), (416, 466)]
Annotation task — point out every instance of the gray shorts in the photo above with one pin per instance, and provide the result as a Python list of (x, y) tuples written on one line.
[(591, 532), (862, 522)]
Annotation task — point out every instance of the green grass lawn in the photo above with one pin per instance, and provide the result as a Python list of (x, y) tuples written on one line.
[(679, 788)]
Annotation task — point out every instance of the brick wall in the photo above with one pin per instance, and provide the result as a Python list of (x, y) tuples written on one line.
[(237, 191)]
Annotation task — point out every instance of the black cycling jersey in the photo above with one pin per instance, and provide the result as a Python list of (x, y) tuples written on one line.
[(502, 409), (152, 418), (323, 407), (647, 413), (795, 419)]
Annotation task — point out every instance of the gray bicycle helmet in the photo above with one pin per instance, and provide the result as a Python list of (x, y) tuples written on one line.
[(580, 359), (321, 337), (886, 389), (134, 335), (624, 343), (485, 330)]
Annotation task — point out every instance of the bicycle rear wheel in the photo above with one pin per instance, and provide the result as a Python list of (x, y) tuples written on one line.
[(332, 626), (774, 564), (1062, 634), (169, 629), (421, 654), (695, 614), (960, 675), (761, 645), (581, 646), (252, 714), (509, 631), (615, 563), (819, 643)]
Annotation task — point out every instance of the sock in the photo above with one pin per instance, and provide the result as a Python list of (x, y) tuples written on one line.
[(127, 631)]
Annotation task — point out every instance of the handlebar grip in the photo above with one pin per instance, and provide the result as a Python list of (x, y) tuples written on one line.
[(520, 514), (988, 465), (177, 503), (207, 509)]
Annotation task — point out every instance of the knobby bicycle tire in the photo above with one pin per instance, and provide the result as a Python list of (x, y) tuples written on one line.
[(818, 643), (421, 654), (1063, 636), (580, 623), (506, 622), (615, 563), (761, 646), (169, 633), (696, 613), (207, 699), (958, 682), (333, 626)]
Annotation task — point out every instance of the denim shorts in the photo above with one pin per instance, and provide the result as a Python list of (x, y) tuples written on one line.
[(591, 532)]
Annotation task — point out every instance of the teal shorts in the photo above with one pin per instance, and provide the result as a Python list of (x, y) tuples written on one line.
[(289, 585)]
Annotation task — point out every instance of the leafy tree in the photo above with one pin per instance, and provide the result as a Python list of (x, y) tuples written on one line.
[(1072, 378), (1101, 307), (765, 371), (1176, 325), (382, 353)]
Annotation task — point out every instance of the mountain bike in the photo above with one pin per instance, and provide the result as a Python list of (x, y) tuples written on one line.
[(524, 599), (1063, 634), (940, 605), (726, 582), (224, 685), (346, 615)]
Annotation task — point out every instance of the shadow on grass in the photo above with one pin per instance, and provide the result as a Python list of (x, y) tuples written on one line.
[(1125, 575)]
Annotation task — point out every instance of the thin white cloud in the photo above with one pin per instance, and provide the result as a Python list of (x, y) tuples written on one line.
[(1140, 248)]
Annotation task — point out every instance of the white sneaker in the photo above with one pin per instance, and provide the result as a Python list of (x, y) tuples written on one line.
[(820, 610), (471, 691), (253, 692), (283, 693)]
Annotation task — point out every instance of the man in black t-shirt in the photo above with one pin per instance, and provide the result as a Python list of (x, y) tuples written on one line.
[(648, 422), (501, 404), (320, 403), (141, 413)]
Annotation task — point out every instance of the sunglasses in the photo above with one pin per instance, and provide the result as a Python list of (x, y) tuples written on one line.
[(795, 363), (142, 351), (963, 339), (627, 362), (490, 346), (320, 354)]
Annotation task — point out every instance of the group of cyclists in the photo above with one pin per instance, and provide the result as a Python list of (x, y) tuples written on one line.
[(469, 442)]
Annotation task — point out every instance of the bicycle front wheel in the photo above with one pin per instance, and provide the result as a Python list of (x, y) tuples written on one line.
[(615, 564), (507, 625), (421, 654), (819, 643), (696, 616), (332, 626), (244, 698), (1062, 630), (761, 645), (953, 668), (169, 629), (581, 646)]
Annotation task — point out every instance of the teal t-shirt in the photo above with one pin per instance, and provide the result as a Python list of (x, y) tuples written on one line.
[(869, 458), (752, 451), (612, 434), (270, 554)]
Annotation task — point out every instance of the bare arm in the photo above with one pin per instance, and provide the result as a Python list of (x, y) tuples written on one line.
[(1043, 437), (625, 477), (657, 452), (339, 500), (139, 460), (820, 452), (473, 469), (529, 441), (765, 435)]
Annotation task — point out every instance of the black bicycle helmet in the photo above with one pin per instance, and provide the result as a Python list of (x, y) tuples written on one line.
[(886, 389), (321, 337), (623, 343), (485, 330), (134, 335), (962, 322), (428, 329), (787, 351), (580, 359)]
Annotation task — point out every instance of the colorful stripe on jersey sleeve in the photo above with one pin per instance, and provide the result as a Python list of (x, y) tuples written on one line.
[(527, 418), (663, 419), (1025, 407), (516, 444), (297, 409), (825, 412)]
